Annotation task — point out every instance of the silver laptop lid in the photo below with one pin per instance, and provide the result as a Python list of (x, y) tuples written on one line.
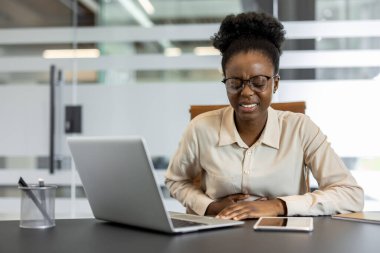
[(119, 181)]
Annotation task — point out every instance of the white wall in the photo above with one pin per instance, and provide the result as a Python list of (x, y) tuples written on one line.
[(24, 120), (345, 111), (156, 111)]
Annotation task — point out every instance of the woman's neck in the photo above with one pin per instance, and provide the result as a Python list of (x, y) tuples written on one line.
[(250, 130)]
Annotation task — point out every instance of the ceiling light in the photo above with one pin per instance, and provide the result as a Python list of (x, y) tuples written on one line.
[(148, 6), (71, 53), (206, 51), (172, 51), (137, 13)]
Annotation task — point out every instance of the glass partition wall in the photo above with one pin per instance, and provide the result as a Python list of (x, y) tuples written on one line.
[(33, 129), (135, 67)]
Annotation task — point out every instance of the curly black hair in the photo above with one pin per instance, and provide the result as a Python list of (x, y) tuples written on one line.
[(250, 31)]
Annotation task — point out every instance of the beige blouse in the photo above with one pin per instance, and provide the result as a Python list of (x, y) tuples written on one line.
[(276, 166)]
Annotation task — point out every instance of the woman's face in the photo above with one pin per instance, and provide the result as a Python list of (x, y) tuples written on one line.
[(250, 105)]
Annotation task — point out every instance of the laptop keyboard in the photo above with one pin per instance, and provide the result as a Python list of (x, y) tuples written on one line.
[(185, 223)]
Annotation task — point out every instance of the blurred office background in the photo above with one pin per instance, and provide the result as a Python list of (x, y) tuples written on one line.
[(136, 66)]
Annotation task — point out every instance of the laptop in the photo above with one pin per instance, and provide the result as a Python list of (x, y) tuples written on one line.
[(120, 183)]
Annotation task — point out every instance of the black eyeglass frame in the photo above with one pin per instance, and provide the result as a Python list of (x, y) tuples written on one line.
[(251, 85)]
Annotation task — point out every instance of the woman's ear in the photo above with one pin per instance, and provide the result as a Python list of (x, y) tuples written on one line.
[(276, 83)]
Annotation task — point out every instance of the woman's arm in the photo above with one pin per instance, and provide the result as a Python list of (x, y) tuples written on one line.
[(338, 191), (183, 169)]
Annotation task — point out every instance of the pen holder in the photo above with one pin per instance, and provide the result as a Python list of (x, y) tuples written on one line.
[(37, 206)]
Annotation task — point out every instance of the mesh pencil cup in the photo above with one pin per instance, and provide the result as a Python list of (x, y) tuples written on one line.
[(37, 206)]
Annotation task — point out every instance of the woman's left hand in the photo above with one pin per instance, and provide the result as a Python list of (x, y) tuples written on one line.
[(252, 209)]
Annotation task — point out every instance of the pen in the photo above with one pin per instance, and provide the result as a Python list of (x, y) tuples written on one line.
[(33, 197), (41, 183)]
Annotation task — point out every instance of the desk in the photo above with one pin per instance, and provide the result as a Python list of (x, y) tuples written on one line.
[(90, 235)]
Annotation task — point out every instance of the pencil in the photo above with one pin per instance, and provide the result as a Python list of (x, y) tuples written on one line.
[(33, 197)]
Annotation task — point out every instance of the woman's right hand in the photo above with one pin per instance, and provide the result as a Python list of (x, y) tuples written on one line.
[(217, 206)]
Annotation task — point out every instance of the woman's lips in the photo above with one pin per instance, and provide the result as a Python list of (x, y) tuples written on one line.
[(248, 107)]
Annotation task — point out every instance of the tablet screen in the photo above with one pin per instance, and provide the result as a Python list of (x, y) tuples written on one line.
[(285, 223), (278, 222)]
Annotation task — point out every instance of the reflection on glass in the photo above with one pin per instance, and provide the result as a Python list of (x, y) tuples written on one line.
[(276, 222)]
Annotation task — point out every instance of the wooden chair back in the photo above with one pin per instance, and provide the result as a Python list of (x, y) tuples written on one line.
[(299, 106)]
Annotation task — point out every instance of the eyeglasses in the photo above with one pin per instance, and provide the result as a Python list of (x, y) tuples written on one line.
[(257, 83)]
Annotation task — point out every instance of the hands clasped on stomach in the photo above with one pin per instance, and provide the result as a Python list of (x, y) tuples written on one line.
[(243, 206)]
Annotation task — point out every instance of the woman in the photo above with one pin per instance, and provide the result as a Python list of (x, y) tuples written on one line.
[(252, 160)]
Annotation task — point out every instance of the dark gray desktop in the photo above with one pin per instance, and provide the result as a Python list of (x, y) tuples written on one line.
[(93, 236)]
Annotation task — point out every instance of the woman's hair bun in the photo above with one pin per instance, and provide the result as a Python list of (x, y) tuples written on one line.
[(249, 25)]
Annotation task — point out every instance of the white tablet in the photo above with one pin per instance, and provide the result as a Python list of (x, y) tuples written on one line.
[(284, 224)]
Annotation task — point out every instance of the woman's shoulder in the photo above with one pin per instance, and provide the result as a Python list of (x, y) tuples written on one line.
[(213, 117), (298, 125), (294, 120), (206, 125)]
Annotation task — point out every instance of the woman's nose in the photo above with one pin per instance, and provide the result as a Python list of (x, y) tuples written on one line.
[(247, 91)]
